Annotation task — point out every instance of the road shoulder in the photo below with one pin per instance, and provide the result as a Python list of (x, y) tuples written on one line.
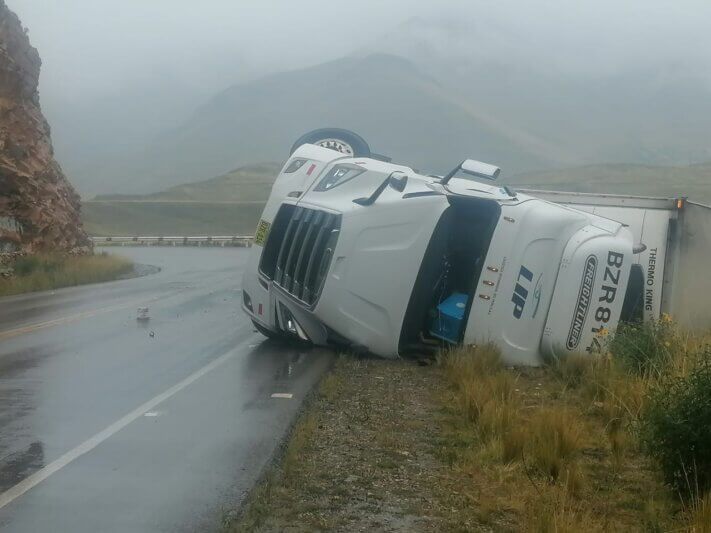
[(390, 446)]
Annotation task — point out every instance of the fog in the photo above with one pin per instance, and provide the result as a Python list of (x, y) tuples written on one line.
[(116, 75)]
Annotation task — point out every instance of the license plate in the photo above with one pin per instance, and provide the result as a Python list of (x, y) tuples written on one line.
[(260, 236)]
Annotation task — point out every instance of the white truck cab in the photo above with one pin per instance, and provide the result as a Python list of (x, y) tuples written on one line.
[(354, 250)]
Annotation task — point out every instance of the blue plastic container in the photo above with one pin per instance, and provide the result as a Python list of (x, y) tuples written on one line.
[(448, 323)]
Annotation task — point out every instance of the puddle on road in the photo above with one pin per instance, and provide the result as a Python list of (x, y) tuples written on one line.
[(286, 370), (18, 361), (17, 466)]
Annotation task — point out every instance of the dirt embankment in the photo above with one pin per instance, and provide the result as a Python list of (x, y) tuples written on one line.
[(39, 209)]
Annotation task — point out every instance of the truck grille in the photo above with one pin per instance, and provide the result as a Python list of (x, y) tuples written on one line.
[(299, 249)]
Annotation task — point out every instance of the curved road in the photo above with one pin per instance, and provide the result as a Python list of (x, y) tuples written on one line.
[(109, 424)]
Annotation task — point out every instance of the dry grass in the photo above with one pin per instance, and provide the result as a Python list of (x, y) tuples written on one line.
[(262, 498), (699, 515), (551, 449), (470, 445), (557, 512), (553, 435), (44, 272)]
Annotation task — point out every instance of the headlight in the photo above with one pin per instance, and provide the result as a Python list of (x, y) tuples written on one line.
[(338, 175), (295, 165), (247, 301)]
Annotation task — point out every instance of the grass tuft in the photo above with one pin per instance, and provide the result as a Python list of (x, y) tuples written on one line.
[(646, 348), (466, 364), (676, 429), (554, 440), (47, 271), (557, 513), (574, 369), (699, 515), (302, 432)]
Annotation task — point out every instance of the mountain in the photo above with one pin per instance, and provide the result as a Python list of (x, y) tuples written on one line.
[(432, 92), (39, 209), (650, 109), (484, 83), (229, 204), (251, 183), (401, 111)]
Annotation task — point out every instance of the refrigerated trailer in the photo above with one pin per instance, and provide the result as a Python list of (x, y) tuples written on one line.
[(353, 250), (673, 270)]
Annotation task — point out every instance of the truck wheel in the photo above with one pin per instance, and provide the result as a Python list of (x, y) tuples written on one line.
[(344, 141)]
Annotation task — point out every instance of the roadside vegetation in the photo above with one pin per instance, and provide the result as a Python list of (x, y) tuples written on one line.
[(609, 443), (51, 271), (690, 181), (163, 218), (225, 205), (616, 442), (231, 204)]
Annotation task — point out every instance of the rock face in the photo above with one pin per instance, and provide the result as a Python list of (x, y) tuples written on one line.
[(39, 209)]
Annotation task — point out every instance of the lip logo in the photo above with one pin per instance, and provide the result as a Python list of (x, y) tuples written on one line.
[(583, 305), (520, 292)]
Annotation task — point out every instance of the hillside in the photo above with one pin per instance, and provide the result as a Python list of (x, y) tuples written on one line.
[(39, 209), (400, 111), (655, 110), (245, 184), (229, 204), (170, 218), (692, 181)]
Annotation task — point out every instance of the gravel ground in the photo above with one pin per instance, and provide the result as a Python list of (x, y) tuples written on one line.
[(365, 458), (384, 446)]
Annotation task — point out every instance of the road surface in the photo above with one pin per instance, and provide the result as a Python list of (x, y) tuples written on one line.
[(110, 424)]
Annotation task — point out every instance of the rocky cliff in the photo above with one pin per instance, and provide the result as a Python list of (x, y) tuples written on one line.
[(39, 209)]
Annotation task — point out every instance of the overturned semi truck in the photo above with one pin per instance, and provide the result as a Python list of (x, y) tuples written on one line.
[(353, 250)]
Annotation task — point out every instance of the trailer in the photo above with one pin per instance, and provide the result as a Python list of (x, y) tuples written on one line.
[(670, 275), (353, 250)]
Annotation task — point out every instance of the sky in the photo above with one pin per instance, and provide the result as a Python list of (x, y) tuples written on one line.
[(108, 66), (116, 74), (95, 47)]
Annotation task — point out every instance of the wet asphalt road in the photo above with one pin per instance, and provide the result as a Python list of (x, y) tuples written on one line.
[(108, 424)]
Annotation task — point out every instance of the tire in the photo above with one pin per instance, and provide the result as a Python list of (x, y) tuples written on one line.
[(341, 140)]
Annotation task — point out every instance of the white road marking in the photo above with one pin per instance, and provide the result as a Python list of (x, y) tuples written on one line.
[(151, 414), (285, 395), (31, 481)]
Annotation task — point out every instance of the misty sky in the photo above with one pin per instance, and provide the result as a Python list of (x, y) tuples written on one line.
[(95, 47), (137, 68)]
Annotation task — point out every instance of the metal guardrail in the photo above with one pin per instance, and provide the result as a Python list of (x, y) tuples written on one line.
[(206, 240)]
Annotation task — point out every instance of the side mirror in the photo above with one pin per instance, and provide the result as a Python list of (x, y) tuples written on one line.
[(398, 183), (474, 168), (479, 169)]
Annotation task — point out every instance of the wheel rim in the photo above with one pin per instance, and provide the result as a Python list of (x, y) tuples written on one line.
[(337, 145)]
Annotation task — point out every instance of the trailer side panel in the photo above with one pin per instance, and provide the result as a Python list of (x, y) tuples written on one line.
[(691, 287)]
